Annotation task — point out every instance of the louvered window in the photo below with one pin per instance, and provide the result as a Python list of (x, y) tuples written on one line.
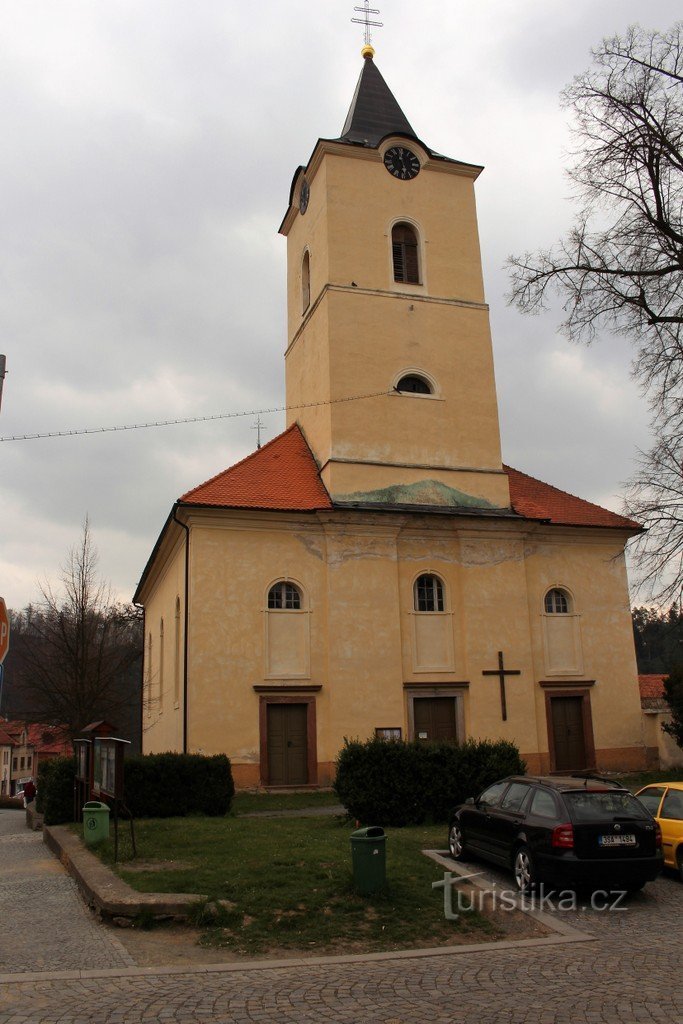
[(404, 249)]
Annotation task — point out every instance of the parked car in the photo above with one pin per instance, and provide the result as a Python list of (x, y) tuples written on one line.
[(566, 832), (664, 801)]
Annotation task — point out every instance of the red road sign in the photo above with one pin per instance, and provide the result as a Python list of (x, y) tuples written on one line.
[(4, 630)]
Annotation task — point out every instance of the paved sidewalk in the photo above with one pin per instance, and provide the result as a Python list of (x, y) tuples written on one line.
[(44, 923)]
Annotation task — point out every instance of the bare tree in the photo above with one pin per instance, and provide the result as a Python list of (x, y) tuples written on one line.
[(78, 648), (620, 268)]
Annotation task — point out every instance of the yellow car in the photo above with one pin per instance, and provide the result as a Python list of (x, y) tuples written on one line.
[(664, 801)]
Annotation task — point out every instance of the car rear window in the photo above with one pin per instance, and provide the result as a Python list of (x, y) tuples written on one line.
[(673, 805), (651, 798), (590, 805)]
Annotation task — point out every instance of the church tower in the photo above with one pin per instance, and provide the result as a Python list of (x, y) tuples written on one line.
[(386, 299)]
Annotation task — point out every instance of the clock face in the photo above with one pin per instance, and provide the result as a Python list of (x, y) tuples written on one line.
[(402, 163), (304, 196)]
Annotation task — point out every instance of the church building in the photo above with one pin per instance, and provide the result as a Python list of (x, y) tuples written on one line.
[(376, 570)]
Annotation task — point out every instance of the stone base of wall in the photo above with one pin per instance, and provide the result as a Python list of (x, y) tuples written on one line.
[(622, 759)]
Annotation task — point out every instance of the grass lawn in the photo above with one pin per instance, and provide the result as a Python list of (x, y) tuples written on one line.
[(246, 803), (288, 884), (637, 780)]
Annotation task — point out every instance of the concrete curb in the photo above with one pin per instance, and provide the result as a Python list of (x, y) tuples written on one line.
[(569, 933), (297, 964), (101, 889)]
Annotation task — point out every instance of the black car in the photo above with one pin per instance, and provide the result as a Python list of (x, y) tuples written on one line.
[(569, 832)]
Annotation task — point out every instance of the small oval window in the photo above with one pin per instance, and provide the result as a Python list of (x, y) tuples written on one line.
[(412, 384)]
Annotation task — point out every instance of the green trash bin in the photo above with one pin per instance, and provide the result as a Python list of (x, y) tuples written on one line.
[(95, 822), (368, 857)]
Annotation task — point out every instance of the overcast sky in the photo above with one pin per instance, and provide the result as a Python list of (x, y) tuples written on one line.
[(148, 150)]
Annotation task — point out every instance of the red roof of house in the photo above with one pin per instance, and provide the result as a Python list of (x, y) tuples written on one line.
[(533, 499), (284, 476), (5, 739), (651, 685), (46, 739)]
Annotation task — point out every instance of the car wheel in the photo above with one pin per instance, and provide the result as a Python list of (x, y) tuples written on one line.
[(679, 861), (456, 841), (524, 869)]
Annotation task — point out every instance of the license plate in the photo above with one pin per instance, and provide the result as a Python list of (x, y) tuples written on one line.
[(616, 840)]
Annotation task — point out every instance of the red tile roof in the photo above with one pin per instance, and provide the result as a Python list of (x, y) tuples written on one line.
[(533, 499), (283, 475), (46, 739), (652, 685)]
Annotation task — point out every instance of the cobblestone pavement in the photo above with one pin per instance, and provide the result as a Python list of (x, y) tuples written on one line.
[(44, 923), (631, 973)]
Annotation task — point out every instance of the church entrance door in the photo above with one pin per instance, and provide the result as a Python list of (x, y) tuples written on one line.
[(568, 733), (287, 744), (435, 718)]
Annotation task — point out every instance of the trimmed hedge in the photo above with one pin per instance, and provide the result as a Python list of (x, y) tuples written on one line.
[(155, 786), (174, 785), (397, 783), (55, 790)]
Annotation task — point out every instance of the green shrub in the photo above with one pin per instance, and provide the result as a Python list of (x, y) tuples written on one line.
[(55, 786), (673, 694), (174, 785), (398, 783)]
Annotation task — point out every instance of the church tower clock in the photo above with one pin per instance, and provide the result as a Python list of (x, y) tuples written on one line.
[(386, 299)]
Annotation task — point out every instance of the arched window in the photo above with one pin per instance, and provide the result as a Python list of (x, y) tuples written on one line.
[(405, 255), (305, 282), (428, 593), (557, 602), (284, 596), (413, 384)]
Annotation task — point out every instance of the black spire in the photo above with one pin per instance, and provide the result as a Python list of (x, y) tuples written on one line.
[(374, 111)]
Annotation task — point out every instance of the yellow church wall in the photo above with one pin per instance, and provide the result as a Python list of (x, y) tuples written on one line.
[(307, 368), (456, 428), (357, 572), (309, 232), (434, 203), (162, 727), (591, 567)]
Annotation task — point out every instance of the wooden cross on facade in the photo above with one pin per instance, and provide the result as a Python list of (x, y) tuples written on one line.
[(501, 672)]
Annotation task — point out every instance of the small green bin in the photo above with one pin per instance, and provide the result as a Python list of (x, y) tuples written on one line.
[(368, 857), (95, 822)]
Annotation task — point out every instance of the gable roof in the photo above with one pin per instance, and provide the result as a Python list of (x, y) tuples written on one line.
[(374, 111), (283, 475), (533, 499)]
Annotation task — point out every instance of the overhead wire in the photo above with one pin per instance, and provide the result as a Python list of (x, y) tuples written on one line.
[(189, 419)]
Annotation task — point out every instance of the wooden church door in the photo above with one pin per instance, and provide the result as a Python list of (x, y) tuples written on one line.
[(568, 733), (434, 718), (287, 745)]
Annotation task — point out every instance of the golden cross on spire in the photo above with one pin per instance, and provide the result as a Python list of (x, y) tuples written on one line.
[(366, 10)]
